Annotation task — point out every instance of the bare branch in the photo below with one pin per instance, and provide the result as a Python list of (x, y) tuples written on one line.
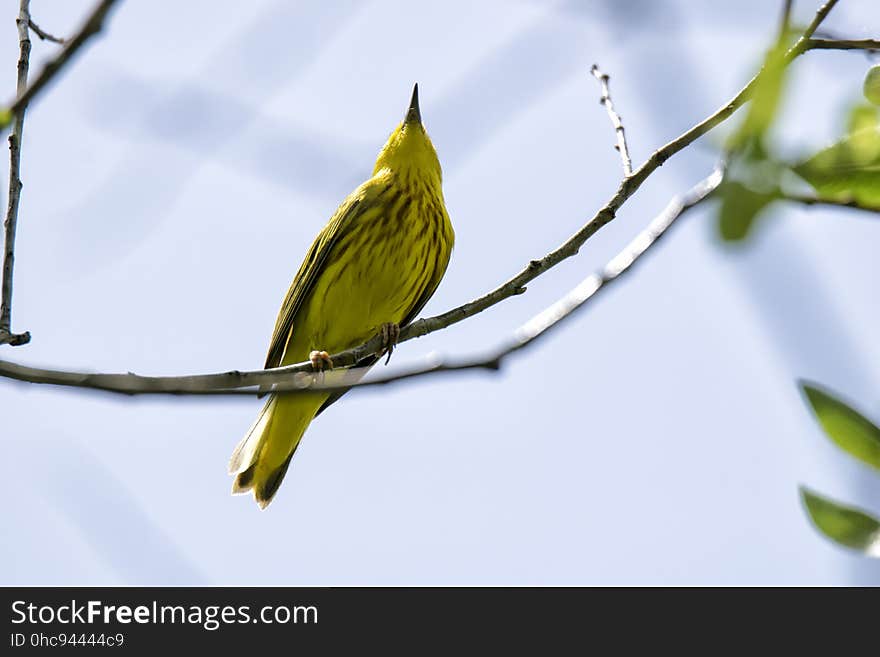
[(820, 16), (628, 187), (9, 226), (89, 28), (226, 382), (870, 45), (44, 36), (341, 379), (540, 324), (605, 100), (832, 202), (786, 18), (24, 93)]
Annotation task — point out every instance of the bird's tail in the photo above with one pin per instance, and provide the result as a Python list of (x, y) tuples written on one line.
[(261, 459)]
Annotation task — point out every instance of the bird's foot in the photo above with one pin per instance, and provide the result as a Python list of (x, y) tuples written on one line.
[(321, 361), (390, 335)]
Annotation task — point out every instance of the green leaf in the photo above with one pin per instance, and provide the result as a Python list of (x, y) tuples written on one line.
[(740, 206), (765, 99), (849, 169), (752, 179), (862, 117), (5, 118), (872, 85), (844, 525), (851, 430)]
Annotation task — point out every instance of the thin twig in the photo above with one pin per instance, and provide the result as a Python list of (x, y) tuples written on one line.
[(870, 45), (15, 185), (90, 27), (24, 93), (605, 100), (820, 16), (44, 36), (516, 285), (785, 21), (226, 382), (551, 317), (832, 202), (336, 380)]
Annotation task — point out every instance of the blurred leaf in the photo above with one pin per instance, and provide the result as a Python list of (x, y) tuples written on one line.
[(752, 179), (852, 431), (861, 117), (849, 169), (872, 85), (765, 99), (5, 118), (847, 526), (740, 206)]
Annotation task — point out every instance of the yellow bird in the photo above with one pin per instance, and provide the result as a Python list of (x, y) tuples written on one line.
[(370, 270)]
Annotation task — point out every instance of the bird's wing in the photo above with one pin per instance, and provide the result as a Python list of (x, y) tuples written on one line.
[(369, 361), (426, 294), (305, 278)]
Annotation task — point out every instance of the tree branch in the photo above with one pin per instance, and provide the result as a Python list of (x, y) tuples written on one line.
[(785, 20), (605, 100), (92, 25), (820, 16), (9, 226), (833, 202), (24, 94), (225, 383), (255, 382), (871, 45), (628, 187), (44, 36)]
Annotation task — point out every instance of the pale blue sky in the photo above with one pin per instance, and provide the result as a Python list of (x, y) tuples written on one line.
[(175, 176)]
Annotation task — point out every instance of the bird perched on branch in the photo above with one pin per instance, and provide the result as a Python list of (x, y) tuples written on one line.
[(370, 271)]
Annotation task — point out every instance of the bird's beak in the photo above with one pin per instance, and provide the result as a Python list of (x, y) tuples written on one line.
[(413, 114)]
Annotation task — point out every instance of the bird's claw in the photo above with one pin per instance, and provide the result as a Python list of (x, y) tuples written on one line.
[(390, 334), (321, 361)]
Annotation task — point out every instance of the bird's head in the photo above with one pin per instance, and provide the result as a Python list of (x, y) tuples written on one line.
[(409, 149)]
